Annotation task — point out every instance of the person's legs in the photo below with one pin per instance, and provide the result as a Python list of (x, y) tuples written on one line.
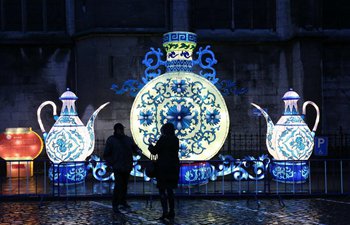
[(120, 189), (171, 203), (116, 191), (124, 189), (164, 202)]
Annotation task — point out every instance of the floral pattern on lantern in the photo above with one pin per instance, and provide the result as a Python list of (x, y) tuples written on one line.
[(198, 113), (290, 141), (189, 101)]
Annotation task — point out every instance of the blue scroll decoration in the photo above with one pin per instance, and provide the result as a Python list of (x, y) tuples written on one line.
[(99, 169), (206, 60), (131, 86), (153, 62), (247, 168), (192, 174), (101, 172), (228, 87), (152, 65)]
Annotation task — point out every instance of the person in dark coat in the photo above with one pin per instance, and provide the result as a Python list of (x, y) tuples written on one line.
[(168, 168), (118, 154)]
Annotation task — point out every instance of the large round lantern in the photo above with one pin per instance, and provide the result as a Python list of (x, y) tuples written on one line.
[(19, 146), (189, 101)]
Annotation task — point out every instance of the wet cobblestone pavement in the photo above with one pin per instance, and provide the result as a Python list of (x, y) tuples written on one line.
[(188, 211)]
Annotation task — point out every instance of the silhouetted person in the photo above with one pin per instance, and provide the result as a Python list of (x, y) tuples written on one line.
[(2, 169), (168, 167), (118, 154)]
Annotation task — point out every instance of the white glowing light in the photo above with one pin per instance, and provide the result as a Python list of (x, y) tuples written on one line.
[(198, 112), (69, 139), (290, 138)]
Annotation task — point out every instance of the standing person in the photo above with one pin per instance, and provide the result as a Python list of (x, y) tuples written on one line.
[(118, 154), (168, 167)]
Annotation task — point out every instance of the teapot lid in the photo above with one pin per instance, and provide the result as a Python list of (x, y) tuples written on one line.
[(291, 95), (68, 95)]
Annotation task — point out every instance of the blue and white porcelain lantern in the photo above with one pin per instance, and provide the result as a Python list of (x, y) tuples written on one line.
[(68, 142), (290, 171), (68, 173), (290, 139), (188, 100), (195, 173)]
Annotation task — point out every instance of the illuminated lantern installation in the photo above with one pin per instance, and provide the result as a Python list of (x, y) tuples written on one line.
[(68, 141), (20, 144), (290, 139), (190, 101)]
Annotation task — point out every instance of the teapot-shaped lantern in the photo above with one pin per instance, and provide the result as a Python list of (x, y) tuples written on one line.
[(69, 139), (290, 138)]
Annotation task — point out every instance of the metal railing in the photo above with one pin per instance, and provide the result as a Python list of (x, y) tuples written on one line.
[(242, 144), (218, 178)]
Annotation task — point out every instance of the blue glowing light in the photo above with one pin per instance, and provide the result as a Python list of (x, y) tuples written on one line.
[(179, 86), (198, 173), (67, 173), (290, 171), (146, 117), (180, 116), (213, 117), (153, 62)]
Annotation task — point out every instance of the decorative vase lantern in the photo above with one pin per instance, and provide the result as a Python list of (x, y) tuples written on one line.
[(69, 140), (290, 171), (189, 101), (21, 144), (290, 139), (194, 173), (68, 173)]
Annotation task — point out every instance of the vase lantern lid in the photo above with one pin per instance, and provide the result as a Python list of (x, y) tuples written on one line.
[(290, 99), (68, 99), (291, 95), (68, 95)]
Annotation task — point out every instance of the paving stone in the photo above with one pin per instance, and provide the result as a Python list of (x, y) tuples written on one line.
[(198, 211)]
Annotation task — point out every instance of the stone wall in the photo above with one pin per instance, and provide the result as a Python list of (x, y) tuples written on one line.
[(268, 70), (30, 76), (336, 88), (36, 67)]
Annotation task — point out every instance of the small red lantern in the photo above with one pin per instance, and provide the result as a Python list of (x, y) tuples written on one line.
[(20, 144)]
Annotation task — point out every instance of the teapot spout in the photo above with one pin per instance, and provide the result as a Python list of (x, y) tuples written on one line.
[(90, 128), (269, 133)]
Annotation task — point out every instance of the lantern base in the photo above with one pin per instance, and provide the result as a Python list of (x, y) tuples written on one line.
[(18, 169), (193, 174), (67, 173), (290, 171)]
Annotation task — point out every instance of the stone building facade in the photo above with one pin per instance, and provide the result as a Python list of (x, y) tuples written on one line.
[(266, 46)]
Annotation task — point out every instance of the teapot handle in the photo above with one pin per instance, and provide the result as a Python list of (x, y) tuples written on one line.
[(317, 112), (38, 113)]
